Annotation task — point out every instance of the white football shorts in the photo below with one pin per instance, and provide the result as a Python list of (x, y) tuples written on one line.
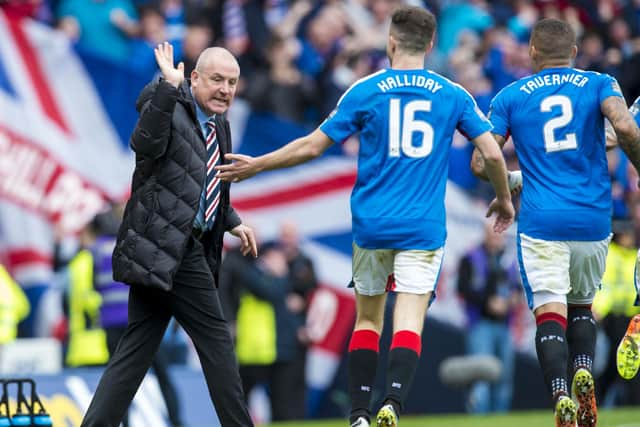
[(411, 271), (569, 272)]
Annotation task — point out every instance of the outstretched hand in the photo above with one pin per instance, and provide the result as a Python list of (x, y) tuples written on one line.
[(242, 167), (505, 214), (164, 58)]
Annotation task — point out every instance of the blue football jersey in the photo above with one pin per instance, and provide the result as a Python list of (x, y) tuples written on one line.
[(557, 127), (406, 120)]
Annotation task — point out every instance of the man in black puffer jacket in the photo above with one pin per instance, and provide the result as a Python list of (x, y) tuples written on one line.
[(170, 241)]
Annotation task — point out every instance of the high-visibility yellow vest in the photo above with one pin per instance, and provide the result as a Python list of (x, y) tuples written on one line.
[(256, 331), (14, 306), (618, 292), (87, 342)]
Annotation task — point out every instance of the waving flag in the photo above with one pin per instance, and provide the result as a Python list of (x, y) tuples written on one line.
[(61, 155)]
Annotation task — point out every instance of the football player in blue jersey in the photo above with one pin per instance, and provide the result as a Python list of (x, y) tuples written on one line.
[(628, 352), (406, 117), (556, 119)]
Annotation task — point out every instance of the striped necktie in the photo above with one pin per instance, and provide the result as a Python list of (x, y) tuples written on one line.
[(212, 197)]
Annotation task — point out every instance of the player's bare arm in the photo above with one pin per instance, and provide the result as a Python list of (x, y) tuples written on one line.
[(297, 151), (625, 127), (495, 169)]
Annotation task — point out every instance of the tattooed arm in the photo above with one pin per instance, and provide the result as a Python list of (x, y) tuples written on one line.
[(477, 161), (625, 127)]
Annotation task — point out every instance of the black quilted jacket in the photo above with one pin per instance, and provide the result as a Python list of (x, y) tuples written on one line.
[(165, 192)]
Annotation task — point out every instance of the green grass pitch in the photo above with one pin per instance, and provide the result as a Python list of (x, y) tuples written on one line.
[(619, 417)]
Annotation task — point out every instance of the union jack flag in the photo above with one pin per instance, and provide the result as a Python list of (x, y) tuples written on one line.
[(60, 154)]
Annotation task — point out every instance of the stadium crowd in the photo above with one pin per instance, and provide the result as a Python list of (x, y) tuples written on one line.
[(298, 57)]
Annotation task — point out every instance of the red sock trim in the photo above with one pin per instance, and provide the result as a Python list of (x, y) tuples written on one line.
[(552, 317), (407, 339), (365, 339)]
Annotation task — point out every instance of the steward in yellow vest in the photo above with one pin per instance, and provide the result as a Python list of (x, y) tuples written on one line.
[(618, 294), (87, 341), (14, 307)]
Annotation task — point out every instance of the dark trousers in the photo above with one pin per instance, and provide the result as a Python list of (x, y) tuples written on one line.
[(194, 303), (160, 367)]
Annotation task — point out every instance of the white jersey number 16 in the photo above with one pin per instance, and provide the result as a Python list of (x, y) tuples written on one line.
[(402, 139)]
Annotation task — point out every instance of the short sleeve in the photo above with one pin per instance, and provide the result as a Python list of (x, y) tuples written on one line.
[(344, 120), (472, 121), (498, 115), (608, 87)]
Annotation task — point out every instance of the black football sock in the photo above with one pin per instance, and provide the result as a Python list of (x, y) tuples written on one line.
[(553, 352), (403, 361), (581, 337), (363, 362)]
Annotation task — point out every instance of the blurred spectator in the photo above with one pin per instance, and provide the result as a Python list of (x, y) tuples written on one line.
[(487, 281), (371, 23), (14, 307), (266, 328), (87, 341), (198, 37), (631, 12), (153, 31), (304, 282), (174, 14), (613, 306), (506, 60), (245, 32), (284, 17), (104, 27), (321, 39), (301, 271), (281, 89), (525, 16), (348, 67), (618, 165), (458, 16), (620, 37), (623, 56), (591, 53), (236, 34)]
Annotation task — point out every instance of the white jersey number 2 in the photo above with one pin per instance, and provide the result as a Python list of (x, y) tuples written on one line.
[(551, 144), (402, 139)]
